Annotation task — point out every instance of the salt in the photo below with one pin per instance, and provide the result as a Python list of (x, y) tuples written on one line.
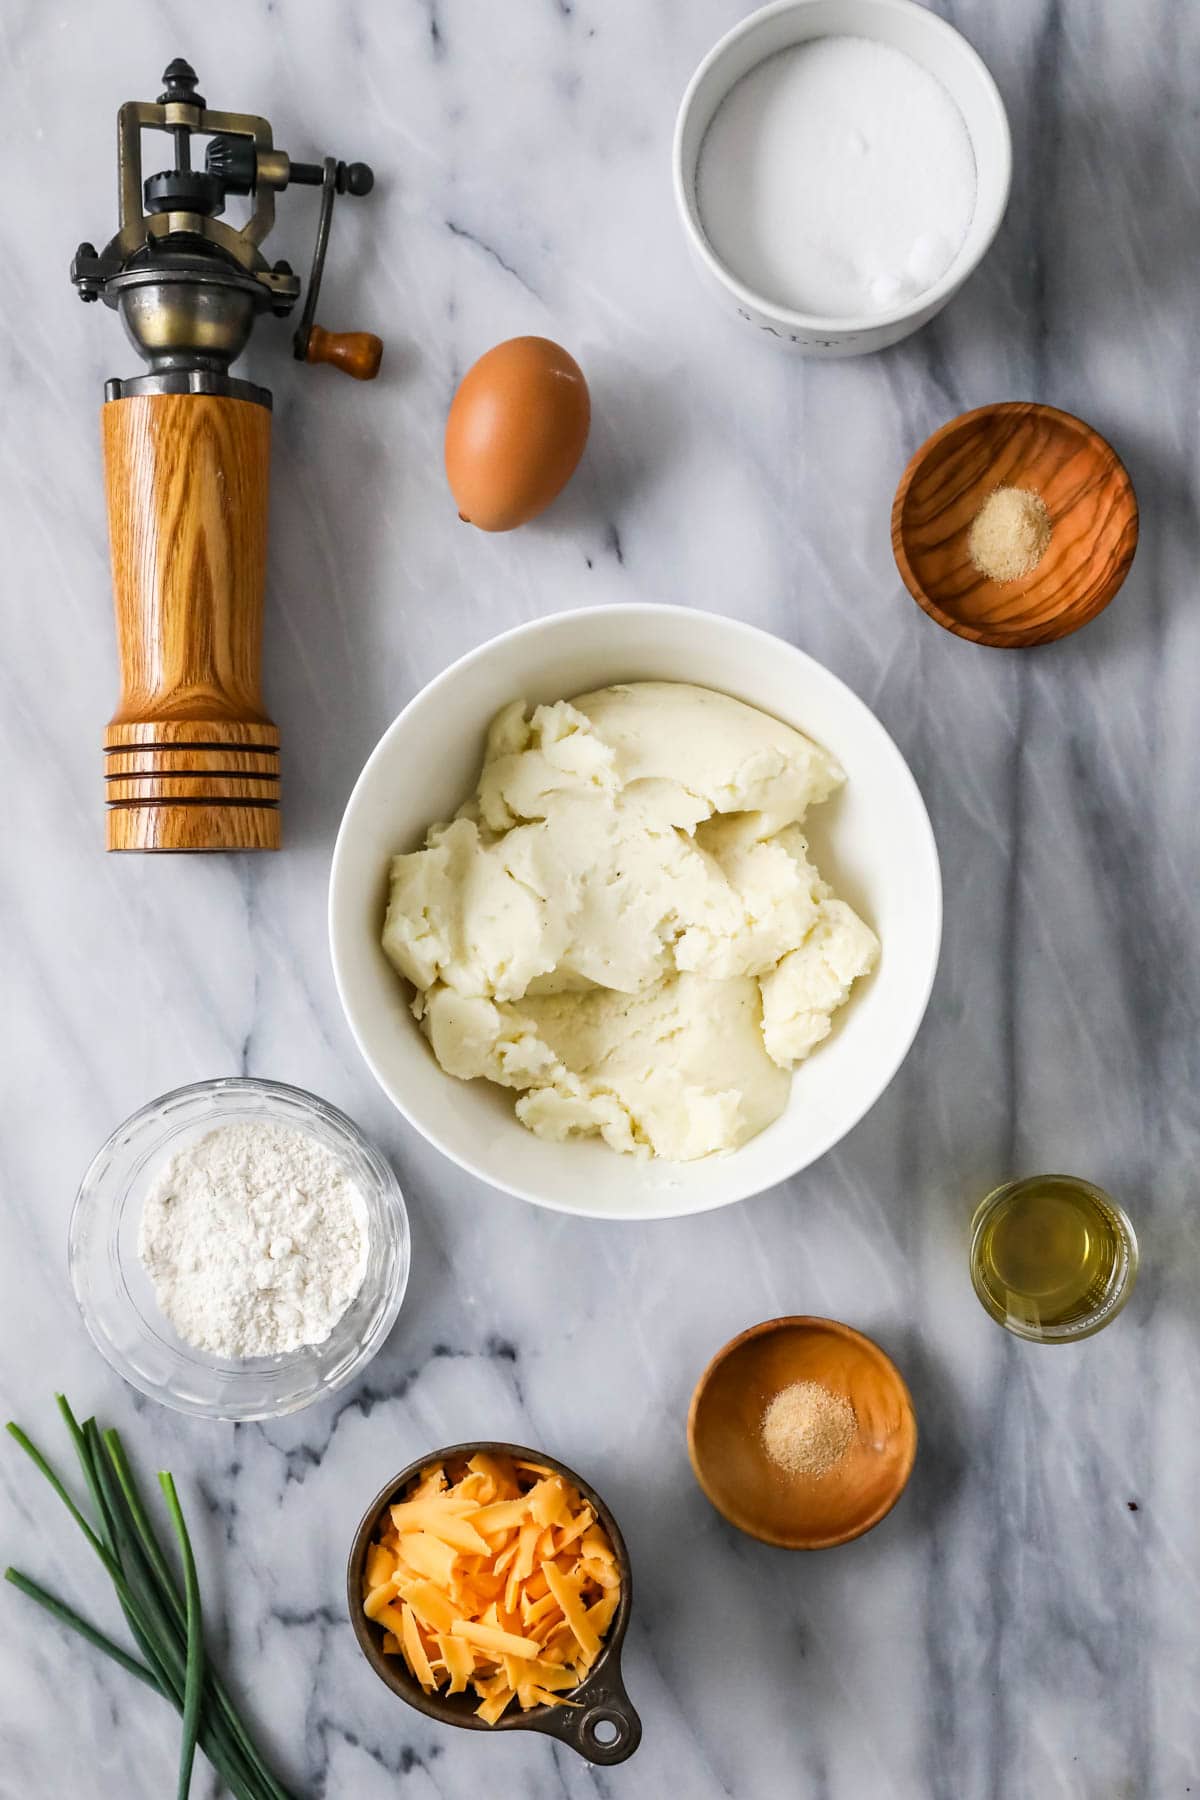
[(837, 178)]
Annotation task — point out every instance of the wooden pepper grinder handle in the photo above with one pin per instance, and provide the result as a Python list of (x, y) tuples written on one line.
[(357, 353), (192, 757)]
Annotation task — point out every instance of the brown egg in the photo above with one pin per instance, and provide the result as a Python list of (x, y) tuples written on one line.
[(516, 431)]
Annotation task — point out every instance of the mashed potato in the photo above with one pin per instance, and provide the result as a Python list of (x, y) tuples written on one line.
[(623, 923)]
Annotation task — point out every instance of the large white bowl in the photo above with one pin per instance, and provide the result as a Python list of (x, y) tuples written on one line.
[(873, 842)]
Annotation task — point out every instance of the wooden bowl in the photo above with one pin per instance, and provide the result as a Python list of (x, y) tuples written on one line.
[(602, 1726), (800, 1512), (1093, 516)]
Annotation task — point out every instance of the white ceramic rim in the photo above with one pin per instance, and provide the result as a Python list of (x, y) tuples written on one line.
[(818, 324), (738, 1191)]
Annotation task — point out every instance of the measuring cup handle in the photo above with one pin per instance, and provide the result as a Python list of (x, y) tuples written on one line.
[(604, 1708)]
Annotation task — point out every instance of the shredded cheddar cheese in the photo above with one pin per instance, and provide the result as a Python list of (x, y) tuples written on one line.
[(502, 1581)]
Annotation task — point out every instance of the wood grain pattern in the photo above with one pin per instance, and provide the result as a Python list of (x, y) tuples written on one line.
[(163, 825), (200, 786), (798, 1512), (168, 733), (1093, 514), (187, 478), (356, 353), (188, 759)]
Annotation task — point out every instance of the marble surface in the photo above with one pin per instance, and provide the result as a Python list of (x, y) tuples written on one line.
[(1015, 1628)]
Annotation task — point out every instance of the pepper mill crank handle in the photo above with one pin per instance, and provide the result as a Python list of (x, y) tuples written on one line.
[(356, 353)]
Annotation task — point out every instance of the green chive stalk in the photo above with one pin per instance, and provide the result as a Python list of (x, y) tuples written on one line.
[(166, 1624), (193, 1692)]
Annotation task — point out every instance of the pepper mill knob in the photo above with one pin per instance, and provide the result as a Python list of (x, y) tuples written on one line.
[(179, 85), (356, 353), (355, 178)]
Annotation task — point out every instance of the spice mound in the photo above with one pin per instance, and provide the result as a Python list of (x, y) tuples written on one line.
[(494, 1576), (255, 1239), (1009, 534), (807, 1430)]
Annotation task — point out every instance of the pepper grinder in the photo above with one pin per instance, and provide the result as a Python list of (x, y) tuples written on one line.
[(192, 757)]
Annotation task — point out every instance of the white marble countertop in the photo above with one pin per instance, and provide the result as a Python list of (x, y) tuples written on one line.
[(1015, 1628)]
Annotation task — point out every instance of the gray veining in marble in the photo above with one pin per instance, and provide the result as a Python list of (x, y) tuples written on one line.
[(1015, 1628)]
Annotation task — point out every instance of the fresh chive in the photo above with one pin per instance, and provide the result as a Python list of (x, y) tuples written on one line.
[(107, 1557), (141, 1521), (150, 1647), (67, 1617), (34, 1454), (159, 1615), (193, 1692), (91, 1454), (165, 1626), (84, 1453), (156, 1621), (145, 1554), (271, 1789), (228, 1769)]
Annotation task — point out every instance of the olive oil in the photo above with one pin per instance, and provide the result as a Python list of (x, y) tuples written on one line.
[(1052, 1257)]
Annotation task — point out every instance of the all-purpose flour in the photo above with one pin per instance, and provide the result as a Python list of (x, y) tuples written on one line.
[(837, 178), (255, 1238)]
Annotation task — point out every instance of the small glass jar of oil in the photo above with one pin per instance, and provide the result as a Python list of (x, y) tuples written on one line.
[(1052, 1257)]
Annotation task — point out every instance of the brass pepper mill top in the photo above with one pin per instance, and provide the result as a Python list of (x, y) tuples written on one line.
[(188, 285)]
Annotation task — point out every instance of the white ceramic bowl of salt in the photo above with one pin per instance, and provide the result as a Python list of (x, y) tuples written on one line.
[(822, 157), (873, 843)]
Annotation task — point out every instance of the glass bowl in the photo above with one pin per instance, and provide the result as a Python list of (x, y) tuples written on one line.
[(117, 1299), (1045, 1318)]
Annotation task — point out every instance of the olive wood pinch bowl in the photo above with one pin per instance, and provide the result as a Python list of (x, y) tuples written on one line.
[(1093, 518), (801, 1512), (602, 1726)]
